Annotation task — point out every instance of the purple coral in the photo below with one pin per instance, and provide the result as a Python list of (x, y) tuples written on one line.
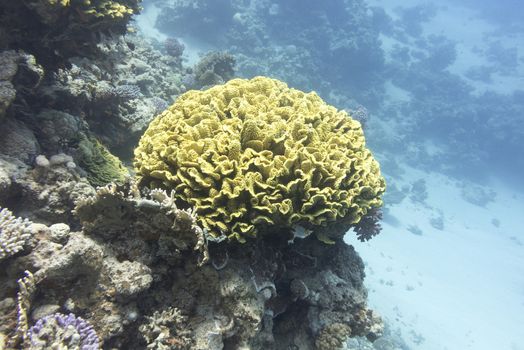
[(174, 47), (369, 225), (127, 92), (159, 104), (361, 114), (63, 330)]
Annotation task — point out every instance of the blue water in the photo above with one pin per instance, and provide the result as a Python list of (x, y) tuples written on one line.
[(443, 84)]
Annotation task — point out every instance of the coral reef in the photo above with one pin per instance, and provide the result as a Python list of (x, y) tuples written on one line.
[(321, 44), (131, 267), (117, 93), (255, 154), (178, 18), (45, 193), (149, 274), (57, 30), (108, 98)]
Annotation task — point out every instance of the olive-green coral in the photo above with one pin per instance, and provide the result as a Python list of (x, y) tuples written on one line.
[(101, 166), (253, 154)]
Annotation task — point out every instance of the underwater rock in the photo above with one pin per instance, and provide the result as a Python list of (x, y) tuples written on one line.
[(128, 278), (419, 191), (18, 141), (174, 47), (477, 195), (290, 294), (58, 131), (18, 72), (43, 194), (8, 64), (166, 329)]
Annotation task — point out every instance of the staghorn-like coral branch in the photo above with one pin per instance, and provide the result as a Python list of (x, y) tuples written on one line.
[(26, 289), (14, 233)]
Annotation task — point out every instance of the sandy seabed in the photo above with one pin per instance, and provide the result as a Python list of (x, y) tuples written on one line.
[(461, 287)]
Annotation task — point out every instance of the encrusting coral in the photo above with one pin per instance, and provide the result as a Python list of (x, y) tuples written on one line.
[(254, 154), (62, 331)]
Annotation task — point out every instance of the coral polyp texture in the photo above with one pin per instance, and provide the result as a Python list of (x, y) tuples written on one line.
[(59, 331), (252, 155)]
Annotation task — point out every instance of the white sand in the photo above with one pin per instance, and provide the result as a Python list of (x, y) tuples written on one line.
[(460, 288)]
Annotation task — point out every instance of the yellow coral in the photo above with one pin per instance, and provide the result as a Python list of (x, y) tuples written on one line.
[(62, 3), (88, 10), (254, 153), (108, 9)]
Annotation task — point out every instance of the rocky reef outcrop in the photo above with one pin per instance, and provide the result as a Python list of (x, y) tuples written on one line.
[(143, 274)]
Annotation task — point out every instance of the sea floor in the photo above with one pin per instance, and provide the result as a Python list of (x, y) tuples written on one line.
[(459, 287)]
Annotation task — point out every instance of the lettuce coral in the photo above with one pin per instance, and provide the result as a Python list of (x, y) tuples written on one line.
[(252, 155)]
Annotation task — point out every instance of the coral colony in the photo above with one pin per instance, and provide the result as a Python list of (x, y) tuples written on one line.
[(300, 162), (59, 330)]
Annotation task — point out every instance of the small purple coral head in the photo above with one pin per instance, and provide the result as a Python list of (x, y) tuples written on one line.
[(63, 331), (174, 47)]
